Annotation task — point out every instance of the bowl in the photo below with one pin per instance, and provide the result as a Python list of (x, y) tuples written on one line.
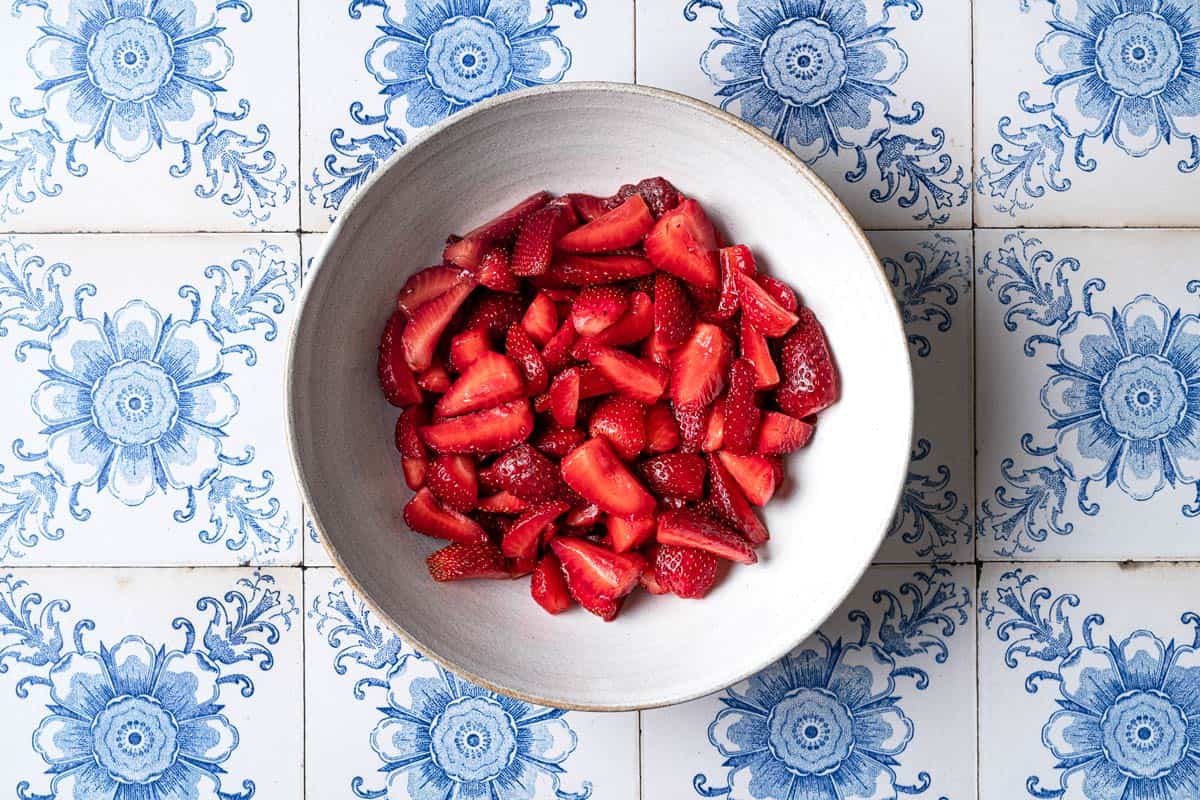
[(827, 522)]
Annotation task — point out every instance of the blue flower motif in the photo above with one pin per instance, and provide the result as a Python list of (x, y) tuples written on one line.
[(1128, 70), (444, 56), (133, 402), (812, 73), (135, 721), (1126, 397), (821, 726)]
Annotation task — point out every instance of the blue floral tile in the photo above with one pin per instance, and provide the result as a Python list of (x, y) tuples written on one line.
[(135, 431), (378, 72), (1087, 112), (150, 684), (1088, 422), (879, 704), (148, 115), (873, 94), (382, 721)]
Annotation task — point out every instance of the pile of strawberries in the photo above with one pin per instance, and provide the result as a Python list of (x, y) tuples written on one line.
[(597, 394)]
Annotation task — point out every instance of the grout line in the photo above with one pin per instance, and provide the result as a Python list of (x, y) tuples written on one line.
[(303, 684), (299, 132)]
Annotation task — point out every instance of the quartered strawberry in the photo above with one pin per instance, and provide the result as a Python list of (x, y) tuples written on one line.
[(810, 380), (623, 423), (524, 352), (634, 325), (435, 379), (494, 272), (491, 380), (589, 206), (537, 235), (741, 412), (468, 346), (714, 428), (597, 568), (423, 286), (662, 434), (559, 441), (460, 562), (761, 310), (541, 319), (684, 244), (425, 515), (687, 528), (780, 292), (780, 433), (731, 503), (659, 193), (564, 397), (623, 226), (629, 375), (520, 567), (453, 481), (414, 458), (734, 260), (489, 431), (630, 533), (673, 314), (648, 579), (468, 251), (502, 502), (700, 366), (523, 538), (592, 382), (576, 270), (675, 475), (740, 258), (754, 474), (686, 571), (692, 419), (420, 337), (548, 585), (584, 516), (599, 476), (495, 312), (527, 473), (757, 351), (597, 308), (557, 352), (395, 377)]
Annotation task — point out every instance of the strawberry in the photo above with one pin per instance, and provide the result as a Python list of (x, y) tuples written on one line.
[(523, 538), (459, 562), (780, 433), (648, 579), (731, 503), (675, 475), (760, 309), (714, 428), (453, 481), (691, 419), (684, 244), (548, 585), (557, 352), (623, 226), (397, 380), (541, 319), (757, 351), (780, 292), (673, 314), (741, 413), (589, 206), (421, 335), (494, 272), (495, 312), (529, 475), (536, 238), (584, 516), (435, 379), (423, 286), (492, 379), (740, 258), (810, 380), (686, 528), (630, 533), (468, 251), (520, 567), (559, 441), (623, 422), (597, 308), (490, 431), (640, 380), (575, 270), (414, 458), (687, 572), (415, 470), (564, 397), (734, 260), (660, 195), (598, 475), (662, 434), (597, 568), (425, 515), (634, 325), (502, 503), (700, 365), (468, 346), (755, 475), (524, 352)]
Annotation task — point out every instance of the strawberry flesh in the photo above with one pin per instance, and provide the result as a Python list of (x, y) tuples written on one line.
[(686, 528), (423, 286), (662, 434), (524, 352), (598, 475), (491, 380), (523, 538), (453, 481), (623, 226), (623, 423), (576, 270), (760, 309), (630, 533), (459, 562), (597, 308), (757, 351), (700, 365), (604, 572), (425, 515), (494, 272), (489, 431), (754, 474), (640, 380), (634, 325), (780, 433), (683, 243), (541, 319), (731, 503), (395, 377), (548, 585), (420, 337), (467, 252), (468, 346)]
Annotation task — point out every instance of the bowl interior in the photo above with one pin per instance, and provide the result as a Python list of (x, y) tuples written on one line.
[(826, 523)]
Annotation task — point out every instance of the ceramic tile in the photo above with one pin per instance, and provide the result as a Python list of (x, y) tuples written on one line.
[(908, 638), (931, 275), (1086, 417), (1086, 681), (155, 122), (377, 72), (182, 682), (1084, 116), (874, 95), (136, 428), (369, 698)]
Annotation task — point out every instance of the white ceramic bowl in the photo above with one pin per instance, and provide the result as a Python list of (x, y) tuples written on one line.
[(594, 137)]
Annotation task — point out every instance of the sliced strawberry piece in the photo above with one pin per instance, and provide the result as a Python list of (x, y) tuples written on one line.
[(597, 308), (520, 567), (413, 455), (395, 378), (523, 538), (584, 516), (659, 193), (420, 337), (714, 428), (559, 441), (623, 423), (415, 470), (662, 434), (757, 351), (468, 251), (731, 503), (459, 562), (692, 419), (624, 226), (423, 286), (630, 533), (673, 313), (490, 431), (494, 272), (592, 382), (755, 475), (597, 568), (453, 481), (548, 585), (425, 515), (675, 475), (684, 244), (740, 258), (574, 270), (528, 474), (503, 503), (598, 475), (780, 292), (634, 325), (564, 397), (700, 366), (648, 579), (493, 379), (435, 379), (654, 351), (810, 380), (521, 349), (734, 260), (629, 375), (468, 346), (780, 433), (536, 237), (589, 206), (687, 572), (686, 528), (557, 352), (541, 319), (495, 312), (741, 413), (761, 310)]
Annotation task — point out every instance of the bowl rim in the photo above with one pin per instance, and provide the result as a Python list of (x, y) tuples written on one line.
[(348, 218)]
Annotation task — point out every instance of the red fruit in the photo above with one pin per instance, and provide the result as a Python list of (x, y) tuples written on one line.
[(584, 516), (714, 428), (630, 533), (491, 380), (810, 380), (597, 568), (684, 244), (396, 379), (435, 379), (536, 238), (495, 312), (692, 419), (459, 562), (523, 538), (636, 324), (756, 350), (741, 413), (548, 585), (675, 475), (780, 433), (502, 503), (453, 481), (425, 515), (574, 270), (624, 226), (731, 503), (413, 455), (598, 475), (527, 473), (541, 319), (687, 572), (780, 292), (648, 579), (559, 441), (660, 195), (673, 313), (520, 567), (564, 397), (589, 206), (494, 272), (468, 346), (521, 349), (415, 470), (623, 423), (597, 308), (755, 475), (686, 528), (423, 286), (700, 365), (557, 352), (488, 431), (761, 310), (739, 258), (640, 380), (662, 434), (734, 260), (468, 251), (420, 337)]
